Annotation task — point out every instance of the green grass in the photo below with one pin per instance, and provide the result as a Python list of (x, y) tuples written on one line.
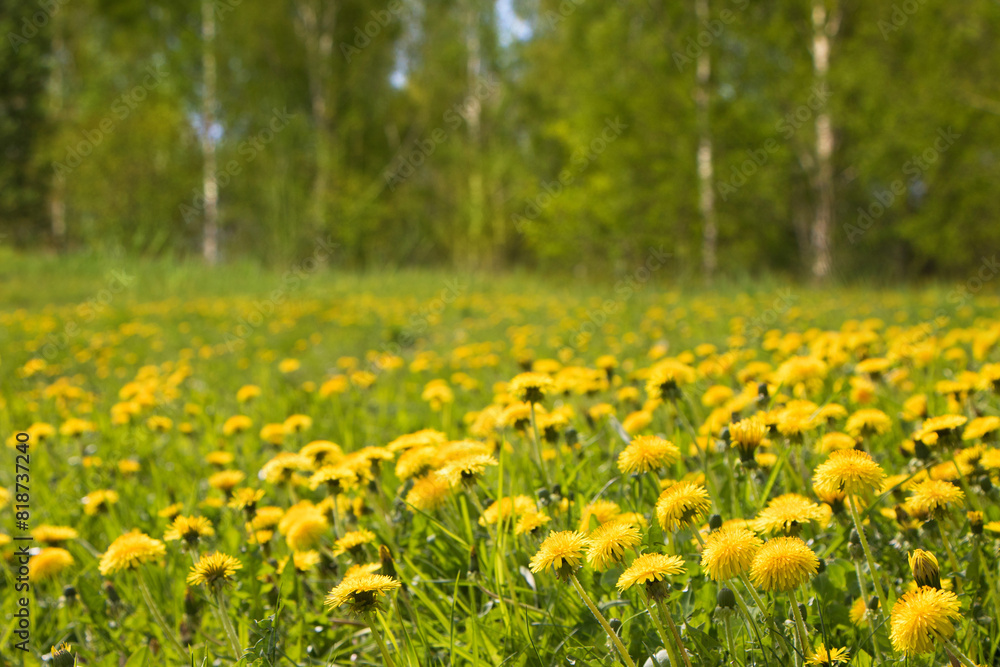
[(180, 340)]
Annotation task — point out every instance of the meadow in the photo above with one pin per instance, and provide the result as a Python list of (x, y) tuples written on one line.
[(252, 467)]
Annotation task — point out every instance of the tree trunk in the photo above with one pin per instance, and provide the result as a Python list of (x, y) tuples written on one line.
[(474, 109), (316, 22), (57, 193), (706, 196), (823, 219), (210, 187)]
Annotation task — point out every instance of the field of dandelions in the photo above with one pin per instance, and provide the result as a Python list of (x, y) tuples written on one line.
[(422, 471)]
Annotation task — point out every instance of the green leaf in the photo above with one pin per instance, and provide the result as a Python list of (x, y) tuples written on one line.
[(140, 658)]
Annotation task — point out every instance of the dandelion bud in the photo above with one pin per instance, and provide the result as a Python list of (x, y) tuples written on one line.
[(69, 592), (62, 656), (925, 568), (873, 603), (821, 567), (110, 593), (388, 563), (921, 450), (726, 598), (715, 522), (572, 437), (856, 551), (473, 561), (976, 522), (762, 392), (986, 484)]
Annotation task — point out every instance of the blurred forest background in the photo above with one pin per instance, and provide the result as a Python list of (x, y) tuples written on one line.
[(824, 138)]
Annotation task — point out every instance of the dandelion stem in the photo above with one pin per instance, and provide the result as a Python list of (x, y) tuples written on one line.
[(727, 621), (157, 616), (378, 640), (800, 625), (661, 631), (538, 447), (872, 620), (954, 651), (221, 608), (763, 609), (622, 651), (946, 541), (676, 634), (868, 552)]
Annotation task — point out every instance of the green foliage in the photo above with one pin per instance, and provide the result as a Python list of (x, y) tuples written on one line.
[(436, 132)]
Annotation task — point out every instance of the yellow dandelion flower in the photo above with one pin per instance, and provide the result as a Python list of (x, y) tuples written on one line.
[(428, 493), (530, 387), (305, 528), (783, 564), (868, 422), (130, 551), (226, 480), (171, 511), (666, 378), (729, 552), (921, 619), (246, 499), (247, 392), (214, 569), (562, 551), (49, 534), (934, 494), (825, 657), (650, 569), (850, 471), (466, 469), (360, 591), (48, 563), (859, 613), (236, 424), (529, 522), (786, 513), (602, 510), (682, 505), (637, 421), (980, 427), (834, 440), (189, 528), (505, 508), (608, 543), (353, 541), (646, 453), (99, 501), (322, 453)]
